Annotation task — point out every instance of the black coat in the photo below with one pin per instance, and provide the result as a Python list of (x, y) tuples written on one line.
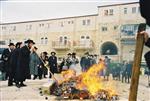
[(53, 64), (144, 7), (13, 61), (85, 63), (5, 58), (147, 55), (22, 70)]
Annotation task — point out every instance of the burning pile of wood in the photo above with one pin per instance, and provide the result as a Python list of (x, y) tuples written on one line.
[(88, 85), (68, 90)]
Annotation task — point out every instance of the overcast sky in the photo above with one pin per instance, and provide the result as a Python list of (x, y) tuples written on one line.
[(27, 10)]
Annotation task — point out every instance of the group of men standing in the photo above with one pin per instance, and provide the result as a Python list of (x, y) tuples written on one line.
[(16, 62), (21, 61), (87, 61)]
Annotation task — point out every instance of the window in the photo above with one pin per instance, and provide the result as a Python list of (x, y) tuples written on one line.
[(48, 25), (129, 29), (111, 11), (10, 41), (30, 27), (87, 37), (133, 9), (125, 10), (46, 40), (106, 12), (26, 27), (14, 28), (3, 28), (62, 24), (88, 22), (115, 27), (104, 29), (72, 22), (68, 22), (41, 25), (42, 40), (139, 10), (65, 40), (60, 39), (2, 42), (82, 37), (83, 22)]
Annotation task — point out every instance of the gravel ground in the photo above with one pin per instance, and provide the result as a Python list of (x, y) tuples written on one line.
[(31, 92)]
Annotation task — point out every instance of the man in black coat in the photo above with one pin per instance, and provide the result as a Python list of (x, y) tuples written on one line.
[(85, 62), (144, 7), (52, 63), (5, 58), (22, 70), (13, 63)]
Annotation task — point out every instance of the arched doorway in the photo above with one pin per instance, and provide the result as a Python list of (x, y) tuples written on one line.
[(109, 48)]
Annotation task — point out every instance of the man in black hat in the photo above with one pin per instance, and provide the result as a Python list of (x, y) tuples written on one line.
[(23, 71), (144, 7), (85, 62), (52, 63), (13, 63), (68, 60), (5, 58)]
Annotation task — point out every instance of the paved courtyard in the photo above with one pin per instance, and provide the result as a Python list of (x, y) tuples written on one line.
[(31, 92)]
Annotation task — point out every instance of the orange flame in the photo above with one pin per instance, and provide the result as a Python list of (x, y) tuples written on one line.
[(90, 80)]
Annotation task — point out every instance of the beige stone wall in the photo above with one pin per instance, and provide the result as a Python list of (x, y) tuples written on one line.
[(73, 29)]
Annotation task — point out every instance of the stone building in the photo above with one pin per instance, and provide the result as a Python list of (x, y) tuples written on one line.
[(109, 32)]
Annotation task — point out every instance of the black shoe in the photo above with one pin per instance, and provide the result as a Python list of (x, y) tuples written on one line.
[(18, 86), (34, 78), (10, 84), (22, 85)]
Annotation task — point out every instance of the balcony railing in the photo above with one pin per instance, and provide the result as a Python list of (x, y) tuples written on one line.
[(61, 45), (128, 37), (86, 44)]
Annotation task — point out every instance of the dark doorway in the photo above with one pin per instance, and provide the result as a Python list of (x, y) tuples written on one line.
[(109, 48)]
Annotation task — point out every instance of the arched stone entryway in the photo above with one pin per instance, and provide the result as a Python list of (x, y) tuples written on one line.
[(108, 48)]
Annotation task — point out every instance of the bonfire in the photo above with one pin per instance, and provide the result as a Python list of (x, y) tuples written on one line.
[(88, 85)]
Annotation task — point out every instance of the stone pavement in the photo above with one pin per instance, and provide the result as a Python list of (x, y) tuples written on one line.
[(31, 92)]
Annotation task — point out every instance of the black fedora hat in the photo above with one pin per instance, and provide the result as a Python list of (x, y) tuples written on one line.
[(18, 44), (69, 54), (11, 44), (30, 41), (86, 53), (45, 53), (73, 53), (35, 47), (53, 52)]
